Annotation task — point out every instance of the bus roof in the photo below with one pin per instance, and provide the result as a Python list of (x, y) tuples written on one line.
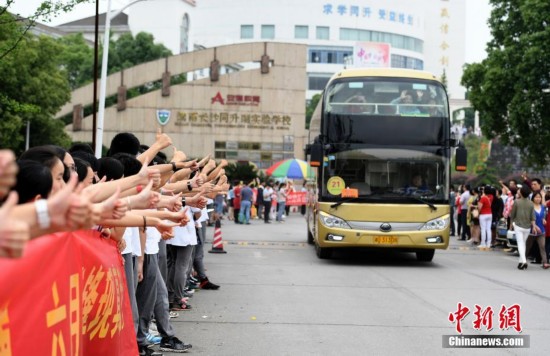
[(383, 72)]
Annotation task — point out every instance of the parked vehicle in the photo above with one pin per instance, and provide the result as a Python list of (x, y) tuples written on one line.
[(502, 232), (511, 237)]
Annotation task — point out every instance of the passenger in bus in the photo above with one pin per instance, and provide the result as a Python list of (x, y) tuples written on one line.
[(422, 99), (405, 103), (356, 106), (434, 109)]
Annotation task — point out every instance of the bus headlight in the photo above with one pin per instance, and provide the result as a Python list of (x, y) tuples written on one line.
[(436, 224), (333, 221)]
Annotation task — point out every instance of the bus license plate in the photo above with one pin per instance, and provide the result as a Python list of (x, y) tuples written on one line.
[(386, 240)]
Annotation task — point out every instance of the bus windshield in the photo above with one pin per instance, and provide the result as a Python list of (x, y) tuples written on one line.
[(388, 174), (386, 96)]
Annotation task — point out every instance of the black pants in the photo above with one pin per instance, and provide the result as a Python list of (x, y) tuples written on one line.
[(267, 210), (465, 228)]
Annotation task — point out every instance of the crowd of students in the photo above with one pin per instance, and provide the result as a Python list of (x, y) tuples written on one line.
[(153, 208), (521, 208), (257, 200)]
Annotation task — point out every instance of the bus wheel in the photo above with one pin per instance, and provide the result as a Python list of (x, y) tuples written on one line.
[(309, 237), (323, 253), (425, 255)]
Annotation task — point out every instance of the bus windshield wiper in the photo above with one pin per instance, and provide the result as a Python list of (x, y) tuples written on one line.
[(432, 207), (346, 200)]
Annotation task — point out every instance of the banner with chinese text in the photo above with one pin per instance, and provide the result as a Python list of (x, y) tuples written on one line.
[(66, 296), (296, 199), (371, 55)]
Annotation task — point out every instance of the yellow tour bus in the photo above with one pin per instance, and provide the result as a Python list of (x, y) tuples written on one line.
[(380, 144)]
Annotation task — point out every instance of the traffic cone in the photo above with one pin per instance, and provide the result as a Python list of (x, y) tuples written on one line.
[(217, 244)]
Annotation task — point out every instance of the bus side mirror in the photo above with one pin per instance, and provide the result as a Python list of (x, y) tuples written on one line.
[(461, 159), (316, 154)]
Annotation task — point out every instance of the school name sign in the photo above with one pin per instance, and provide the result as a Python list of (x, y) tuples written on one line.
[(233, 120)]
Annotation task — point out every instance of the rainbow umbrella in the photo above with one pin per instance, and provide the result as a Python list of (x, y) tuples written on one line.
[(290, 168)]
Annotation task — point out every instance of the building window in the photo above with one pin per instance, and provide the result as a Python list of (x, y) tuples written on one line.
[(317, 83), (301, 32), (268, 32), (322, 33), (247, 31), (332, 55), (398, 61), (396, 41)]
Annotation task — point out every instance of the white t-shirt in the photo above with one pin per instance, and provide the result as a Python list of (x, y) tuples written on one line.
[(152, 241), (185, 235), (204, 215), (131, 237), (268, 191)]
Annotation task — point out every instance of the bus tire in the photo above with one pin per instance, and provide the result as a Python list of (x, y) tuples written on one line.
[(425, 255), (323, 253), (309, 237)]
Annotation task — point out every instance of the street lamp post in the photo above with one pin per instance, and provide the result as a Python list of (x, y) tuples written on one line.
[(103, 87)]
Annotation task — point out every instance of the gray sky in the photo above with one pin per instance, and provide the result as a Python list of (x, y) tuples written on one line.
[(476, 35)]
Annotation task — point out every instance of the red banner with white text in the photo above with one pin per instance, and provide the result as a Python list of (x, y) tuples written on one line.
[(67, 295), (296, 199)]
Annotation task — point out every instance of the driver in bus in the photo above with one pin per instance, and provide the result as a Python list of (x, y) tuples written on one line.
[(417, 185)]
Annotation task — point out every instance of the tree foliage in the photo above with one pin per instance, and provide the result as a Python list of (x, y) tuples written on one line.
[(128, 51), (510, 88), (32, 88), (78, 59), (45, 11), (310, 108), (241, 171), (125, 52)]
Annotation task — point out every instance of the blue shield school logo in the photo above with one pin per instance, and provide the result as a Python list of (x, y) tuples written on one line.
[(163, 116)]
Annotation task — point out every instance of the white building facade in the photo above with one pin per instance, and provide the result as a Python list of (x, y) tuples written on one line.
[(420, 34)]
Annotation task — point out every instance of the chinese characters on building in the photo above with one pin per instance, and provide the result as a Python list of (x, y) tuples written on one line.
[(238, 120), (368, 12), (236, 99), (508, 317), (444, 30)]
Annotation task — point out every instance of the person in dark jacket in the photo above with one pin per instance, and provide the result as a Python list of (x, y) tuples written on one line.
[(497, 208)]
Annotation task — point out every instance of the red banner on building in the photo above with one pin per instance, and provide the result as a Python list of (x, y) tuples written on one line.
[(66, 296), (296, 199)]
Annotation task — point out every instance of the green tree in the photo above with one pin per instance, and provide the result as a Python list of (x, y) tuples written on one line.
[(78, 60), (241, 171), (310, 108), (128, 51), (32, 88), (510, 88), (45, 11)]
